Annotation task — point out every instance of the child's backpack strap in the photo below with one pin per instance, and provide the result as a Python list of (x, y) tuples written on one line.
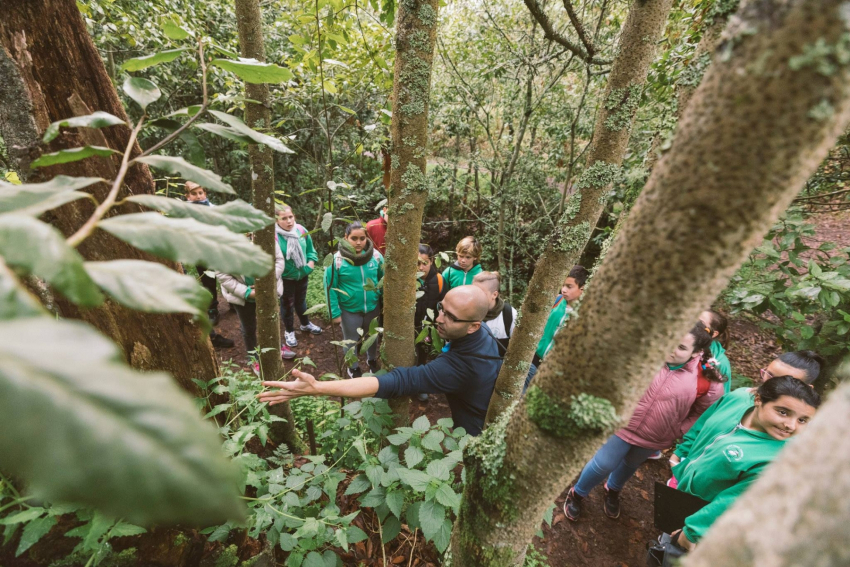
[(439, 283), (508, 318), (557, 301)]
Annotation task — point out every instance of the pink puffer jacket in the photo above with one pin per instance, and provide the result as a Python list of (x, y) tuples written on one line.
[(668, 408)]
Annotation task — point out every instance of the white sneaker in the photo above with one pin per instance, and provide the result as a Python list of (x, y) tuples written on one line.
[(291, 341), (311, 327)]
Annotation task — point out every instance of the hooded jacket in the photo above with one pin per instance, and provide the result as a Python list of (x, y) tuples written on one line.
[(434, 291), (345, 284), (557, 318), (722, 461), (456, 277), (291, 272), (669, 407), (466, 373), (235, 289), (377, 231)]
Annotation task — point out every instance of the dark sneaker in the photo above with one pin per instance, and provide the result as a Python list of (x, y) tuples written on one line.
[(611, 504), (355, 372), (572, 507), (374, 366), (422, 397), (214, 316), (220, 341)]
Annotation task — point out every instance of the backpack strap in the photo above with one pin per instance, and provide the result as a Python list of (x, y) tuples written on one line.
[(557, 301), (508, 318), (439, 283)]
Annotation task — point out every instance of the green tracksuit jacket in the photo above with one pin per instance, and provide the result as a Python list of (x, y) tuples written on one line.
[(291, 272), (719, 353), (557, 318), (722, 459), (456, 277), (345, 284)]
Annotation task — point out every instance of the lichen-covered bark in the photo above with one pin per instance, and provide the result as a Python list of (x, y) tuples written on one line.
[(416, 34), (744, 148), (258, 116), (797, 512), (51, 70), (635, 52)]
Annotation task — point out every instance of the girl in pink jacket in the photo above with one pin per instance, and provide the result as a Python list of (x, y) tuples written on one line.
[(665, 412)]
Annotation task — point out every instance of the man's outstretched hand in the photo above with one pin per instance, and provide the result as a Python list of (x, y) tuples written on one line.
[(303, 385)]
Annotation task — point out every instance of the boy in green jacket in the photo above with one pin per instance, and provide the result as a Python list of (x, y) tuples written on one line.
[(297, 248), (723, 461), (561, 310), (468, 265)]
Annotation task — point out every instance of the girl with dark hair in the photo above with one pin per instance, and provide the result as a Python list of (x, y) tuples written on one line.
[(351, 286), (433, 287), (723, 461), (718, 326), (668, 408)]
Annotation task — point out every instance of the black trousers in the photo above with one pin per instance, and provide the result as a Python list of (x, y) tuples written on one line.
[(294, 298), (248, 322), (209, 284)]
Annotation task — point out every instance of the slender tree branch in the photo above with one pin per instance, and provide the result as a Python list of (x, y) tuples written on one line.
[(552, 35), (579, 27)]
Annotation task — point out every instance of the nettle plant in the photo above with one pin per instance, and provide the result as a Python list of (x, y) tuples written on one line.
[(295, 503), (806, 286), (79, 424)]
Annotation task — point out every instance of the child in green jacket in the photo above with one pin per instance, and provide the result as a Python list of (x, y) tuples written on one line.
[(718, 326), (561, 310), (297, 247), (468, 263), (351, 286), (723, 461)]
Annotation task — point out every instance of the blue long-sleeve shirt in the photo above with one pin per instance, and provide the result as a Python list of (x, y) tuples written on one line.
[(466, 374)]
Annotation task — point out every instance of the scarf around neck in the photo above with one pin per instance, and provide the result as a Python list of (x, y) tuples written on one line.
[(357, 259), (294, 253), (496, 311)]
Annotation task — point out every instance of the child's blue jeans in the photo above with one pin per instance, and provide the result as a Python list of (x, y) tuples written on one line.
[(616, 460)]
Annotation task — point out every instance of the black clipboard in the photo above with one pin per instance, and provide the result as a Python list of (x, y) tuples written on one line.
[(673, 506)]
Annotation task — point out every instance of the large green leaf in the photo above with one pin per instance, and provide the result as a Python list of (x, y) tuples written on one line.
[(40, 249), (36, 198), (80, 426), (181, 167), (189, 241), (150, 287), (252, 71), (243, 128), (142, 91), (97, 119), (237, 215), (139, 63), (15, 301), (73, 154), (431, 516), (194, 153), (225, 132), (33, 532)]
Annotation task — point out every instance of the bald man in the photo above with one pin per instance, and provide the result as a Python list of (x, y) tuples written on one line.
[(465, 371)]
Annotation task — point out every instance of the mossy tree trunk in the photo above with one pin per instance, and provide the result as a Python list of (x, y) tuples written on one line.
[(258, 116), (764, 117), (636, 50), (797, 512), (51, 70), (416, 34)]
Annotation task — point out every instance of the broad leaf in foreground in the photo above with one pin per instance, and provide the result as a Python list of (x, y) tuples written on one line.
[(80, 426), (181, 167), (35, 198), (71, 155), (139, 63), (15, 300), (142, 91), (237, 215), (97, 119), (192, 242), (40, 249), (243, 128), (252, 71), (150, 287)]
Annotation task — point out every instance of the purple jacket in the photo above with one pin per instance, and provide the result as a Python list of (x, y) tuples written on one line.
[(668, 408)]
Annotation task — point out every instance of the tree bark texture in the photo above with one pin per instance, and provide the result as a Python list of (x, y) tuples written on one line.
[(258, 116), (636, 50), (797, 513), (750, 137), (51, 70), (416, 35)]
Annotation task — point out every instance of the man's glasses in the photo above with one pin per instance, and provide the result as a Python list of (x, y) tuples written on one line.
[(765, 375), (451, 317)]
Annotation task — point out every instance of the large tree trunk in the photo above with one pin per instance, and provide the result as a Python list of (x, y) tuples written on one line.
[(746, 145), (416, 34), (258, 115), (797, 512), (636, 51), (51, 70)]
